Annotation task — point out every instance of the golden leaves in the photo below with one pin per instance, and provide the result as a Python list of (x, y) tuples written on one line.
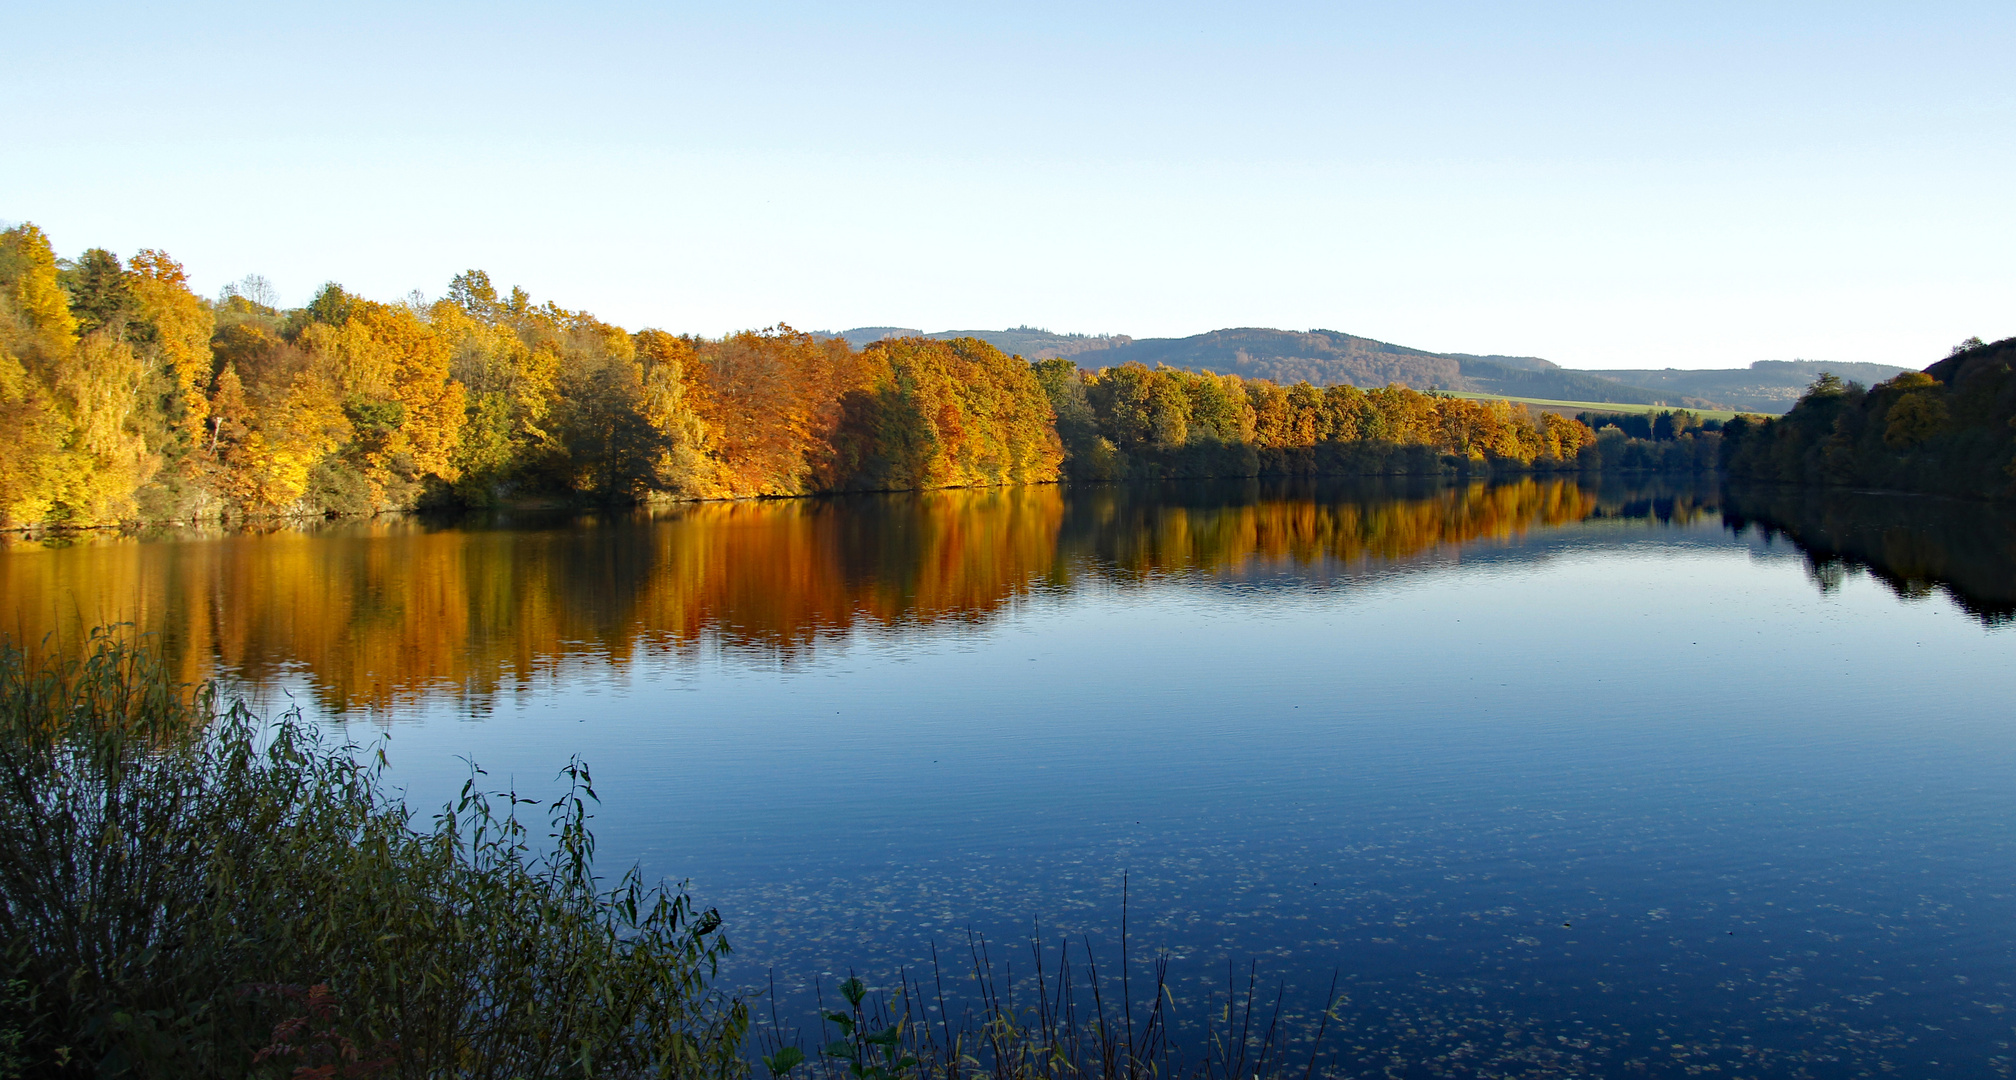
[(37, 294), (182, 326)]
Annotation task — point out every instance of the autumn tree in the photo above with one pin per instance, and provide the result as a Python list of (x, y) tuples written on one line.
[(954, 413), (37, 332), (73, 403), (390, 370), (173, 325), (105, 460), (774, 400), (667, 366)]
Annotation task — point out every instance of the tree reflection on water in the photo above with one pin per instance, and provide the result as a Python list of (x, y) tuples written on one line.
[(370, 614)]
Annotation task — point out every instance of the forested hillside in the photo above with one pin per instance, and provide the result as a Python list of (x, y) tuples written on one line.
[(1944, 430), (1329, 358), (1320, 357), (125, 397)]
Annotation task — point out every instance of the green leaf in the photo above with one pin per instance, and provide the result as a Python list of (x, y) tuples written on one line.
[(783, 1061)]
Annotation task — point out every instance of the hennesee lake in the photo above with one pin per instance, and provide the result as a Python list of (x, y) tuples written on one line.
[(1557, 779)]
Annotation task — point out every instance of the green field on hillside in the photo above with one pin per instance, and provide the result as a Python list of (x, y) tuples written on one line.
[(1570, 408)]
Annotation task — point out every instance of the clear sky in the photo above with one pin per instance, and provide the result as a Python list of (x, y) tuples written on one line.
[(1604, 184)]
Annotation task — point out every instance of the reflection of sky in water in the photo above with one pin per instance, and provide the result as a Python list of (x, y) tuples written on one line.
[(1611, 798)]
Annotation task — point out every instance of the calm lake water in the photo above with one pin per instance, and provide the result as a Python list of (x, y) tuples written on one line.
[(1560, 780)]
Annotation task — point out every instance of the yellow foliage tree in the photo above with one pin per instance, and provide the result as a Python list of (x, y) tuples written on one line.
[(1564, 438), (955, 413), (182, 327), (31, 440), (37, 333), (390, 372), (1916, 417), (270, 470), (667, 365), (105, 460), (37, 293)]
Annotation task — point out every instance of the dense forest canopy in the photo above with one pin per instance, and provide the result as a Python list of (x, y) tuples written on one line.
[(1945, 430), (1137, 421), (126, 397)]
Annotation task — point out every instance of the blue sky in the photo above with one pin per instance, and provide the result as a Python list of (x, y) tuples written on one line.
[(1605, 185)]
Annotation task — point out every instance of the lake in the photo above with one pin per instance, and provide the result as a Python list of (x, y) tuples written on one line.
[(1557, 779)]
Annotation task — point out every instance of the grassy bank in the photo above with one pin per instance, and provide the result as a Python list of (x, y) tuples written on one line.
[(1570, 408)]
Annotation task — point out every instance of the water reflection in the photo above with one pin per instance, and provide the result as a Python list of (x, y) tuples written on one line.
[(1915, 545), (371, 615)]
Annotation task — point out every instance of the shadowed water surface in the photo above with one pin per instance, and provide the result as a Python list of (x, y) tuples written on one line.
[(1564, 781)]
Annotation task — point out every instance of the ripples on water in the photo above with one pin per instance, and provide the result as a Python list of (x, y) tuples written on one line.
[(1564, 781)]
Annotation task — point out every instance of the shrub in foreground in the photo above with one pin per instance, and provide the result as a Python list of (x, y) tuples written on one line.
[(187, 890)]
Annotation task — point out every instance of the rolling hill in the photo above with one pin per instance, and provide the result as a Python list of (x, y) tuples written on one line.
[(1027, 342), (1328, 357)]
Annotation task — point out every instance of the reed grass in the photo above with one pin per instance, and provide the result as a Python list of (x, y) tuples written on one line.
[(186, 890), (1075, 1028)]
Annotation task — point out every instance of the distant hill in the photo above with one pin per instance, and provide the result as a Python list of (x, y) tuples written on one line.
[(1523, 363), (1561, 384), (1328, 358), (1765, 386), (1322, 357), (1027, 342), (1033, 344), (864, 335)]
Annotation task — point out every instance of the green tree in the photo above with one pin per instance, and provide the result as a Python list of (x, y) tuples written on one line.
[(1827, 386), (100, 295)]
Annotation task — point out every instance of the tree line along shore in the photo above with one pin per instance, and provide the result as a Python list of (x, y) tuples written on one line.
[(125, 397), (1947, 430)]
